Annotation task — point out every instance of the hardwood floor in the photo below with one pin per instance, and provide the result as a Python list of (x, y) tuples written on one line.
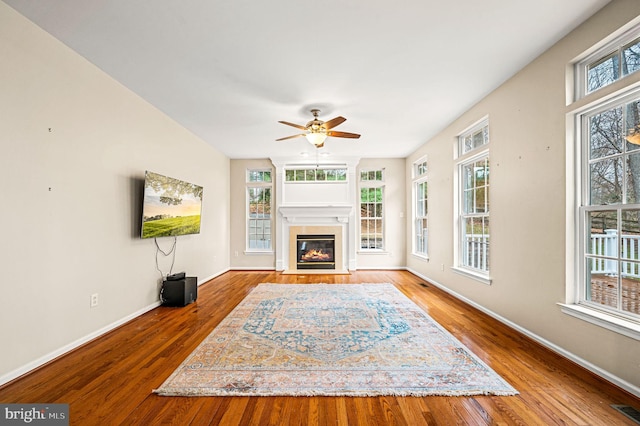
[(109, 380)]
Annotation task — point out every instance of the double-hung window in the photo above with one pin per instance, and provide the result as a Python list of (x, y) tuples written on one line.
[(610, 210), (259, 188), (372, 209), (472, 232), (607, 177), (420, 222)]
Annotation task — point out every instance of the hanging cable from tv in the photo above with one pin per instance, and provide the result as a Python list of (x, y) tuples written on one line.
[(171, 251)]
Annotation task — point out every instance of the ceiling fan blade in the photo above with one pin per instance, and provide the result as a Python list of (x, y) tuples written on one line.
[(333, 122), (343, 135), (290, 137), (297, 126)]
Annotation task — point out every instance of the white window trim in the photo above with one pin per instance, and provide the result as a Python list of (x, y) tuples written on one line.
[(423, 255), (463, 159), (417, 179), (372, 251), (473, 274), (483, 277), (257, 184), (460, 153), (372, 184), (606, 48), (247, 218), (626, 86), (603, 319), (316, 167)]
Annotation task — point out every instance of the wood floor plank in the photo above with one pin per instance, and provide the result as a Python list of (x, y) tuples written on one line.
[(110, 380)]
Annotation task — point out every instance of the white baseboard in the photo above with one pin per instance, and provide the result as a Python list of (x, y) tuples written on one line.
[(252, 268), (12, 375), (73, 345), (629, 387), (210, 277), (381, 268)]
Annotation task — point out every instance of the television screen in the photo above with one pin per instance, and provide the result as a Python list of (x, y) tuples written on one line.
[(171, 207)]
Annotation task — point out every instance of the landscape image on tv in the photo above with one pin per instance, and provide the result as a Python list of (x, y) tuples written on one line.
[(171, 207)]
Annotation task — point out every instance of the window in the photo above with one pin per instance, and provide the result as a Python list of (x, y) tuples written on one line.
[(259, 187), (605, 282), (610, 208), (474, 218), (420, 224), (609, 64), (474, 139), (473, 236), (315, 175), (372, 209)]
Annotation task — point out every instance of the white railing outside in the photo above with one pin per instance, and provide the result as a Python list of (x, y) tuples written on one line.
[(607, 245), (475, 251)]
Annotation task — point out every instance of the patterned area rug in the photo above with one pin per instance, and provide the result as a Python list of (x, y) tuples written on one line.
[(331, 339)]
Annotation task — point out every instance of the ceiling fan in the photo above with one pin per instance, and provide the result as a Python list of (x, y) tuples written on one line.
[(316, 131)]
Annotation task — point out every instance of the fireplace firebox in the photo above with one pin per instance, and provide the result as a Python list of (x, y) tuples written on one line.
[(316, 251)]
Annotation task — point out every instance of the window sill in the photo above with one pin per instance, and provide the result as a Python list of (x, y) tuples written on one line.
[(257, 252), (420, 256), (373, 251), (484, 279), (610, 322)]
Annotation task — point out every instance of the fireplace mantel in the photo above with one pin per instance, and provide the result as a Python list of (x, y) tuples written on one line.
[(293, 213)]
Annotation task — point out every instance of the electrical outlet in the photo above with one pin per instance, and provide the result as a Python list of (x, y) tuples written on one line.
[(94, 300)]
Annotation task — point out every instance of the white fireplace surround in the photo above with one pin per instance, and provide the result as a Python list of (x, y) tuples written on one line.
[(331, 220), (304, 213), (314, 208)]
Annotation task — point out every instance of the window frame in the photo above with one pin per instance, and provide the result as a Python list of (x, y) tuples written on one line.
[(261, 184), (464, 159), (585, 207), (374, 183), (614, 48), (606, 98), (341, 174), (420, 241)]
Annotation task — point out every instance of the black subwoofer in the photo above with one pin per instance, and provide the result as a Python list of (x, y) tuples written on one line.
[(179, 292)]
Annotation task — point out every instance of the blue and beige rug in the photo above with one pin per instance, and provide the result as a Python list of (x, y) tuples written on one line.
[(333, 340)]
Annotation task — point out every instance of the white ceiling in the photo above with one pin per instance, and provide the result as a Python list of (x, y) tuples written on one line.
[(228, 70)]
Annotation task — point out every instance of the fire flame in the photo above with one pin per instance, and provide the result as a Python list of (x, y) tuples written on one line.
[(316, 255)]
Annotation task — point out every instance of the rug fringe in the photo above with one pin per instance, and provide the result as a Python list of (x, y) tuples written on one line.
[(218, 392)]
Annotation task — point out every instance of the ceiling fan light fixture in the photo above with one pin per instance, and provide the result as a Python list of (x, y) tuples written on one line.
[(316, 138), (316, 130)]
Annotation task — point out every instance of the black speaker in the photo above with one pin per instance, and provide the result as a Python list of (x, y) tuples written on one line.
[(179, 292)]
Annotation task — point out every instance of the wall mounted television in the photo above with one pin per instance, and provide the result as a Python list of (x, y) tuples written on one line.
[(170, 207)]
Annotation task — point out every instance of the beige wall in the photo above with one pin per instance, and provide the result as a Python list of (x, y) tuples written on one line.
[(75, 146), (527, 119)]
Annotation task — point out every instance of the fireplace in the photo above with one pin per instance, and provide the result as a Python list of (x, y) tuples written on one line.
[(289, 246), (315, 251)]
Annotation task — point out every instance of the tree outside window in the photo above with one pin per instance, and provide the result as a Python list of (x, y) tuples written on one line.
[(259, 230), (372, 210)]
